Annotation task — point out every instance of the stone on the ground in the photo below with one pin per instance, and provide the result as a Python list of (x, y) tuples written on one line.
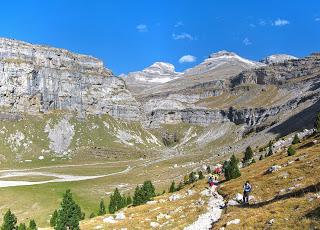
[(232, 203), (109, 220), (174, 197), (120, 216), (41, 157), (206, 192), (271, 221), (189, 192), (154, 224), (152, 202), (274, 168), (162, 215), (235, 221), (238, 197)]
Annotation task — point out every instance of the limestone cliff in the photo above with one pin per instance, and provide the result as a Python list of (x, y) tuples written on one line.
[(37, 79)]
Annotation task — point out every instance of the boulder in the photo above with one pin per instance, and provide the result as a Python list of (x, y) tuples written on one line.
[(109, 220), (235, 221), (120, 216), (174, 197)]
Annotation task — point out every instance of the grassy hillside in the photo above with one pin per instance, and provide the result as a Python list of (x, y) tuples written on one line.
[(286, 199)]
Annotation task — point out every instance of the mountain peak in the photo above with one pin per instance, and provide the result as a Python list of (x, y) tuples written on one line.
[(222, 53)]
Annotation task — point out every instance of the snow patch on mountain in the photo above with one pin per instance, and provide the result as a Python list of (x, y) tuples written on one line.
[(278, 58), (158, 72), (220, 59)]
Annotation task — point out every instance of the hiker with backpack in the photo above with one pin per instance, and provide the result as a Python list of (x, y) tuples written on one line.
[(246, 191)]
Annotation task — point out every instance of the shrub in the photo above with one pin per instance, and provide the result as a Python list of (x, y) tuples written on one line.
[(172, 187), (291, 151)]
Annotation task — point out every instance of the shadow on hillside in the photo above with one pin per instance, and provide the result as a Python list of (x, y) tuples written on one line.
[(303, 120), (314, 214), (298, 193)]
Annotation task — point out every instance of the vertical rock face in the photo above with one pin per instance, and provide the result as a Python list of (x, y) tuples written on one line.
[(39, 78)]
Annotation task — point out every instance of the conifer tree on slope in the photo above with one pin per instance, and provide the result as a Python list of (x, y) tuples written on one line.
[(317, 123), (248, 154), (69, 214), (54, 218), (172, 187), (231, 168), (9, 221), (32, 225), (102, 208), (22, 226)]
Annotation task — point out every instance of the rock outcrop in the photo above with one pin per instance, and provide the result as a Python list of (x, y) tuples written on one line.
[(37, 79)]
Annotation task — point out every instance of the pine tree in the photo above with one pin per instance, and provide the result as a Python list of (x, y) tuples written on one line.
[(129, 200), (231, 169), (9, 221), (32, 225), (172, 187), (291, 151), (253, 161), (208, 169), (22, 226), (317, 123), (261, 157), (102, 208), (296, 139), (112, 205), (69, 213), (53, 219), (192, 177), (149, 190), (248, 154), (138, 196), (92, 215), (200, 175), (270, 151)]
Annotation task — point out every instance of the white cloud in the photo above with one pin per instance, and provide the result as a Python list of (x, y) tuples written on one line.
[(187, 59), (246, 42), (142, 28), (178, 24), (262, 22), (182, 36), (280, 22), (317, 19)]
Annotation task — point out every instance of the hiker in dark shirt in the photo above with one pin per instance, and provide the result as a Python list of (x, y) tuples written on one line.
[(246, 190)]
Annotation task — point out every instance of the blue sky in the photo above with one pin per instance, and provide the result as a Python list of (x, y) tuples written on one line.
[(130, 35)]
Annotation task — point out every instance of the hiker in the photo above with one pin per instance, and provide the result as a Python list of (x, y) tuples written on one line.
[(246, 190)]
